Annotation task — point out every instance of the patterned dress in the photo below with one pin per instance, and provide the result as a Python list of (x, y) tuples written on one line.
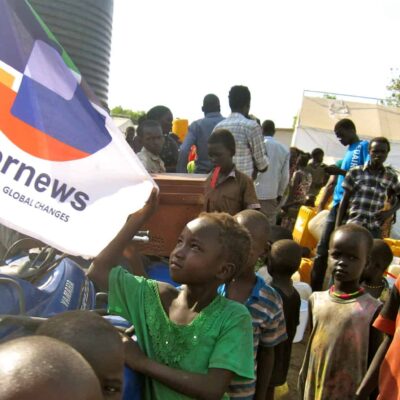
[(336, 358), (299, 192)]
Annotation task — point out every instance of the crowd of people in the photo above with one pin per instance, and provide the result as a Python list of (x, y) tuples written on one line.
[(225, 332)]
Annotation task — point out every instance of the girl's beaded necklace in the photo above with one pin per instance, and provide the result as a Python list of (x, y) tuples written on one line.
[(346, 296), (375, 286)]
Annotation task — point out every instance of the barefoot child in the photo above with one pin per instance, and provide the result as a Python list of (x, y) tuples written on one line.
[(96, 340), (284, 261), (342, 339), (372, 279), (265, 307), (192, 341)]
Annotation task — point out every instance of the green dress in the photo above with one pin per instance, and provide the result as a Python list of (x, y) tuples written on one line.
[(221, 336)]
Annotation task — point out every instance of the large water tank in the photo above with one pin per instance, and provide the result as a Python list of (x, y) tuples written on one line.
[(84, 28)]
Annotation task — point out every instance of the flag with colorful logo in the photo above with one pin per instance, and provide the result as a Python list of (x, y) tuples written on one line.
[(67, 175)]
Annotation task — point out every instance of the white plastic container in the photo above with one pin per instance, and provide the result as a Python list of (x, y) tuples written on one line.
[(303, 288), (317, 224), (303, 321)]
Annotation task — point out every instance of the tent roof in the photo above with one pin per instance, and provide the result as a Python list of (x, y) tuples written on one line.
[(122, 123), (371, 120)]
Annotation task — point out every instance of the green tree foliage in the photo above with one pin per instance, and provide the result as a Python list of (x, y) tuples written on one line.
[(394, 87), (126, 112)]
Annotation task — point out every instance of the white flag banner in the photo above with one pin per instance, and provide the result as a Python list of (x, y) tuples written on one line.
[(67, 175)]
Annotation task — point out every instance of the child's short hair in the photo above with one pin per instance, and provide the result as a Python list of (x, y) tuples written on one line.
[(256, 219), (303, 159), (317, 151), (360, 230), (381, 253), (34, 366), (85, 331), (234, 238), (379, 139), (346, 124), (224, 137), (147, 123), (285, 257)]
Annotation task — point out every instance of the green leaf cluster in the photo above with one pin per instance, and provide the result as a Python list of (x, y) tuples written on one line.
[(126, 112), (394, 87)]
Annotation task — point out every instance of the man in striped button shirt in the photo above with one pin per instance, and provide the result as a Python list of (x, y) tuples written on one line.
[(250, 157)]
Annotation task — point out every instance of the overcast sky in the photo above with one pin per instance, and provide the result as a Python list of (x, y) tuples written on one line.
[(173, 52)]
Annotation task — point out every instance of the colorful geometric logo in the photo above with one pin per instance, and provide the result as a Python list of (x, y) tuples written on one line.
[(43, 108)]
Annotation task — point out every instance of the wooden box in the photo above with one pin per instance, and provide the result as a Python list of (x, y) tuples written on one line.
[(181, 200)]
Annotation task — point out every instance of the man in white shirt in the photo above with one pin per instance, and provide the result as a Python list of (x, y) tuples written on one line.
[(271, 184), (250, 157)]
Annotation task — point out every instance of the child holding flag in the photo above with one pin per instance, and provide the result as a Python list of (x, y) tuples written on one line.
[(192, 340)]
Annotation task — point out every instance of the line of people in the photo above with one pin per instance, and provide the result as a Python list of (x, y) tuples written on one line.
[(224, 332)]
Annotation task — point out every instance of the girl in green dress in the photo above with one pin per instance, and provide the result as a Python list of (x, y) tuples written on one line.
[(191, 341)]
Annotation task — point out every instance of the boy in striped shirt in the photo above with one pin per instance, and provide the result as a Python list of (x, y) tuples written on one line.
[(264, 305)]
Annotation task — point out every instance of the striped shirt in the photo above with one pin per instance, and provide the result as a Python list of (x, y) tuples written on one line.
[(269, 329), (250, 149), (369, 190)]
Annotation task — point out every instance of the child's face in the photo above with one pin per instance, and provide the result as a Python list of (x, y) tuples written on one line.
[(153, 140), (109, 369), (108, 365), (197, 256), (318, 158), (372, 272), (219, 155), (378, 153), (348, 256)]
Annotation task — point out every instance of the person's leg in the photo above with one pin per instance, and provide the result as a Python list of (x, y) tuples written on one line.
[(321, 259), (270, 209)]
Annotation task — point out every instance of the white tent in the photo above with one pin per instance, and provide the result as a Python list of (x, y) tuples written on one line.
[(318, 117), (123, 123)]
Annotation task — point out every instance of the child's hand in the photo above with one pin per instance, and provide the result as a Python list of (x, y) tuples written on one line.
[(149, 207), (134, 356)]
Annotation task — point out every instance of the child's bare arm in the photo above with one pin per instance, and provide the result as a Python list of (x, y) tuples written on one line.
[(370, 381), (344, 204), (389, 313), (108, 257), (210, 386), (265, 365)]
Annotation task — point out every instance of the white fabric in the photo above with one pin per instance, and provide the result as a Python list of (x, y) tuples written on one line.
[(113, 178), (273, 182)]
